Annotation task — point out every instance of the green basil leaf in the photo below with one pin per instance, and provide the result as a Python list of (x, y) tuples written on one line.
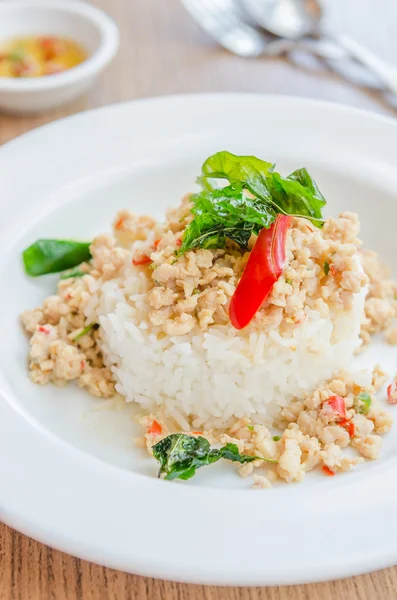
[(225, 213), (52, 256), (305, 179), (292, 198), (240, 234), (230, 452), (296, 195), (202, 233), (248, 170), (230, 205), (180, 455)]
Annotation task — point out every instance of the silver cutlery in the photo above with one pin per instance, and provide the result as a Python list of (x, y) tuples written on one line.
[(225, 22), (296, 19)]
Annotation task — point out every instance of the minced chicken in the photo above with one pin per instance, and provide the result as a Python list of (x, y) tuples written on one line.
[(193, 290)]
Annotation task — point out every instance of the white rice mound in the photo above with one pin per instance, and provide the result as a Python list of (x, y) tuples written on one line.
[(206, 380)]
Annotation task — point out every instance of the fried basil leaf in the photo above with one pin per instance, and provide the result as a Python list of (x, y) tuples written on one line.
[(180, 455)]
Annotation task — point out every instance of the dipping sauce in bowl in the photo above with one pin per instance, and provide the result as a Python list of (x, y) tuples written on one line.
[(37, 56)]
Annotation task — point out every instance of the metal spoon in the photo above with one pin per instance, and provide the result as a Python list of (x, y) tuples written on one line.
[(224, 21), (295, 19)]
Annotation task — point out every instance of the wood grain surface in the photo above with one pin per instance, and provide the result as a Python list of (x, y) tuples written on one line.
[(164, 52)]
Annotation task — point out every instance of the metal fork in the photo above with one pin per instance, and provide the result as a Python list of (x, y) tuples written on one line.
[(225, 21)]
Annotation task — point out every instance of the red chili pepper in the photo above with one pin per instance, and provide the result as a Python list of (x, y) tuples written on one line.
[(197, 433), (156, 244), (51, 47), (48, 42), (155, 428), (178, 243), (392, 393), (141, 259), (119, 223), (264, 267), (44, 330), (351, 429), (333, 270), (349, 426), (328, 471), (338, 406)]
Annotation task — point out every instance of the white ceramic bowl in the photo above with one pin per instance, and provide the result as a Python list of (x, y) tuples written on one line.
[(85, 24)]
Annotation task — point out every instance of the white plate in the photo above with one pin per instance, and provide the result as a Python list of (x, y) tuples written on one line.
[(70, 474)]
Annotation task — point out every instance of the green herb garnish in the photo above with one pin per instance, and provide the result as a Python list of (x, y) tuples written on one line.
[(362, 403), (289, 281), (326, 268), (180, 455), (250, 427), (72, 273), (17, 55), (53, 256), (276, 438), (231, 213), (85, 331)]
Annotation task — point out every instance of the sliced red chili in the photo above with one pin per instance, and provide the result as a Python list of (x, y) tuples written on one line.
[(392, 393), (328, 471), (51, 47), (119, 223), (263, 269), (338, 406), (155, 428), (351, 429), (349, 426), (141, 259)]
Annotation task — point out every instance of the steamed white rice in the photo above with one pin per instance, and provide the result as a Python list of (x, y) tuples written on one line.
[(207, 379)]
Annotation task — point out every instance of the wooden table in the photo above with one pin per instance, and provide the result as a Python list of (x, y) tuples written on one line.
[(164, 52)]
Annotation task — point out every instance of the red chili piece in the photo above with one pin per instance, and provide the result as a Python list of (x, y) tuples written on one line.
[(141, 259), (351, 429), (338, 406), (51, 47), (333, 270), (155, 428), (392, 393), (349, 426), (263, 269), (328, 471), (44, 330)]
